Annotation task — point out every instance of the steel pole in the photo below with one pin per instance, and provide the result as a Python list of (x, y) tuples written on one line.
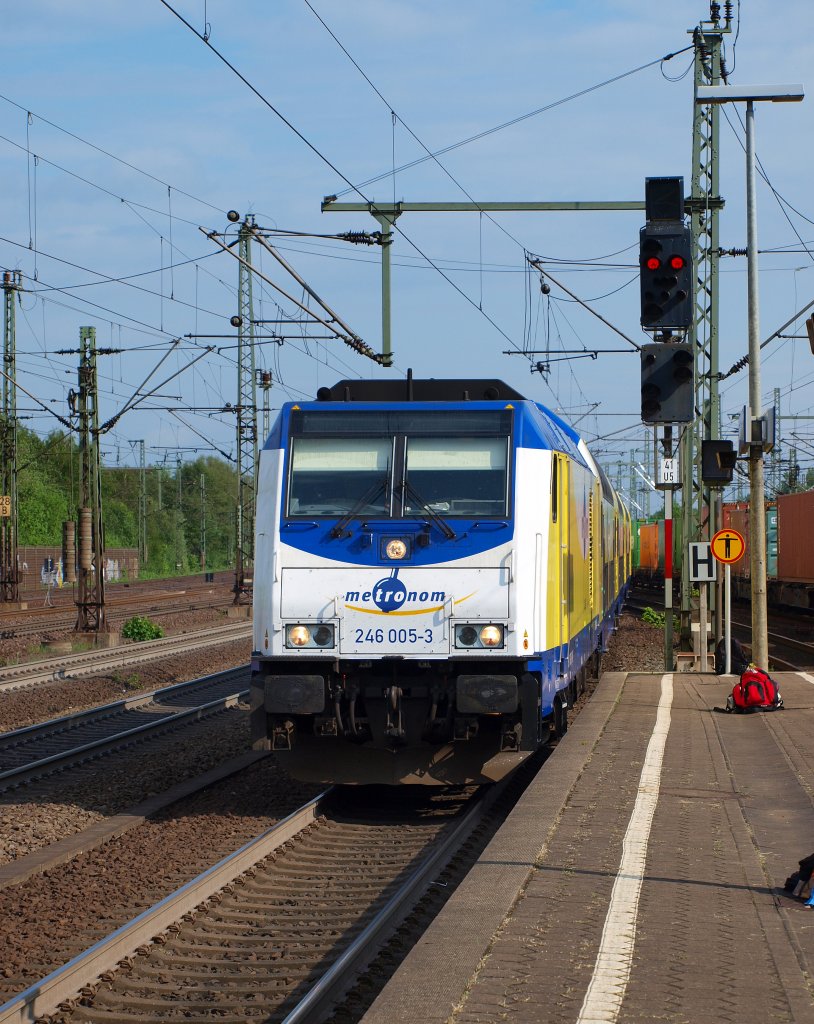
[(668, 556), (386, 225), (728, 616), (757, 514)]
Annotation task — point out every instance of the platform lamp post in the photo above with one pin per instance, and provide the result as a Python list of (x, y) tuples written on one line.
[(756, 435)]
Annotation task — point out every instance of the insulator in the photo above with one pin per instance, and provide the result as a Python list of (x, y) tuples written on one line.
[(359, 237), (728, 5), (714, 11)]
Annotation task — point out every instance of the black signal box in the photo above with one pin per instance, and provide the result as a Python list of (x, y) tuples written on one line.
[(664, 199), (666, 275), (668, 391), (718, 460)]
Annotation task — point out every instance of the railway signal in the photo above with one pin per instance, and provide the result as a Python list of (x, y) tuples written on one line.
[(718, 460), (665, 257), (668, 393), (665, 275)]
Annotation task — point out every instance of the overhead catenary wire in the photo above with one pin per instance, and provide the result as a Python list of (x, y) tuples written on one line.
[(434, 156), (508, 124), (93, 184), (332, 166), (31, 114), (106, 280)]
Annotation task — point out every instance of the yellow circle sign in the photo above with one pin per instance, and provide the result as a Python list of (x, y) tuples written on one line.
[(728, 545)]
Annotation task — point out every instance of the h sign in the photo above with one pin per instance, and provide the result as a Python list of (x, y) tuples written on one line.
[(701, 563)]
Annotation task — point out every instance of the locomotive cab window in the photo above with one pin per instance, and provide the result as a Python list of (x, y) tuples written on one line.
[(330, 476), (399, 463), (462, 476)]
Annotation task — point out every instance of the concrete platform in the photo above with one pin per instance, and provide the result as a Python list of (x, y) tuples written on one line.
[(640, 877)]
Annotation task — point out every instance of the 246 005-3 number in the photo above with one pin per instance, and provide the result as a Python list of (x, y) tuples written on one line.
[(393, 636)]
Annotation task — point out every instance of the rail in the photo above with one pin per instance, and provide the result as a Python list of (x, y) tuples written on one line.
[(63, 727), (74, 666), (45, 997)]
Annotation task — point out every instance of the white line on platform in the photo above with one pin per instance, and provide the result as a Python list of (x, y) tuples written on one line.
[(608, 984), (807, 677)]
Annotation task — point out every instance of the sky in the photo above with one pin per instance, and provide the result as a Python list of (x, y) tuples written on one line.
[(122, 134)]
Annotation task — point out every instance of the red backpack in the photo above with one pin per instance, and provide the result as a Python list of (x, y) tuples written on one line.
[(756, 691)]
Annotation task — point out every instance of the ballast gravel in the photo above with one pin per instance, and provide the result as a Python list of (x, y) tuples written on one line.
[(26, 707), (51, 917)]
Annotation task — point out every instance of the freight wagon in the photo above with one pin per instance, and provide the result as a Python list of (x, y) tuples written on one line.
[(649, 565), (789, 549)]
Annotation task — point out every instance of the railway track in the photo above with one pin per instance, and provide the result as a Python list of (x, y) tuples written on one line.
[(49, 746), (279, 929), (86, 663), (779, 642), (59, 618)]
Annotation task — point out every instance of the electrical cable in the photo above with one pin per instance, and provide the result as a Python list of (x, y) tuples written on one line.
[(434, 157), (112, 156), (762, 171), (606, 295), (107, 280), (93, 184), (111, 280), (512, 122), (351, 186)]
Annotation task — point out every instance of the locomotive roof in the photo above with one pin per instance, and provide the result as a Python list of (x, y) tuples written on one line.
[(419, 390)]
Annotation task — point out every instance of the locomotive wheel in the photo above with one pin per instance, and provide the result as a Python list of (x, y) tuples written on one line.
[(560, 718)]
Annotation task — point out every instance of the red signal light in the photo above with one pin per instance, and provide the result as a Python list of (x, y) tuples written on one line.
[(652, 263), (677, 262)]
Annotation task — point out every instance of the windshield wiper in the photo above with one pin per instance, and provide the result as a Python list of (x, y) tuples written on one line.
[(338, 529), (408, 491)]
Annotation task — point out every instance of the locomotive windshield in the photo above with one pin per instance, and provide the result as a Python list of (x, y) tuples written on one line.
[(399, 463)]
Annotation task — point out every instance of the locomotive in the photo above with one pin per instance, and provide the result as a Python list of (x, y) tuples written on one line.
[(439, 565)]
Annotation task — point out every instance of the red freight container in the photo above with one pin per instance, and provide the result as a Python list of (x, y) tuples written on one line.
[(795, 537), (735, 516)]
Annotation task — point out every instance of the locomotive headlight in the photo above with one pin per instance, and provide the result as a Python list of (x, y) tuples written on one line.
[(311, 635), (476, 636), (297, 636), (324, 635), (491, 636), (396, 549), (465, 636)]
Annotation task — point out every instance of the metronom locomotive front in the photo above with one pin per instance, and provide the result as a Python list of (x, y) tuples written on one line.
[(438, 567)]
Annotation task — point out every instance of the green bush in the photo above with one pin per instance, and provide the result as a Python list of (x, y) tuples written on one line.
[(141, 628), (654, 618)]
